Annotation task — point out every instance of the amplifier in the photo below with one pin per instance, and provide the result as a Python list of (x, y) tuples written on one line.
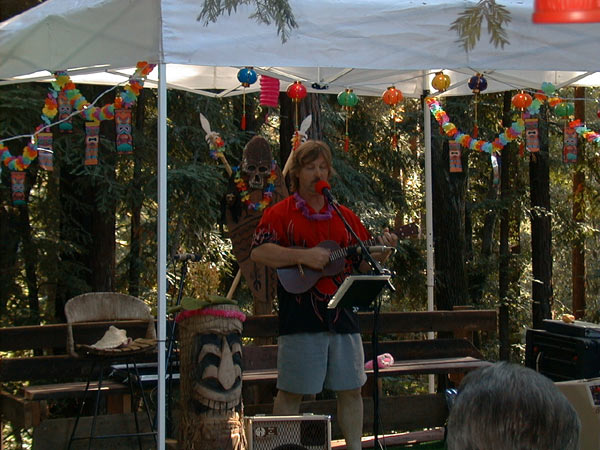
[(584, 395), (578, 328), (562, 357), (302, 432)]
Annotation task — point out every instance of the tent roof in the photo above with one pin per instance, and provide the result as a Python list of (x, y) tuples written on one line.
[(366, 45)]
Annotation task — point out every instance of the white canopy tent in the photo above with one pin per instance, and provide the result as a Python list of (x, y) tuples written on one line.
[(366, 45)]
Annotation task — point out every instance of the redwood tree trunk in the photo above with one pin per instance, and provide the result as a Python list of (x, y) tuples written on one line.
[(508, 161), (578, 247), (541, 231), (449, 195)]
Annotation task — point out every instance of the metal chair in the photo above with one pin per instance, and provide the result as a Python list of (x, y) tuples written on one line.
[(118, 310)]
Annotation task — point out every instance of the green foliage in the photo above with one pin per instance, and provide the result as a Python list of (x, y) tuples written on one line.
[(278, 12), (468, 24)]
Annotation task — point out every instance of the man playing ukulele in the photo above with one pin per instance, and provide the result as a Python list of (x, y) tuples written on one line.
[(317, 347)]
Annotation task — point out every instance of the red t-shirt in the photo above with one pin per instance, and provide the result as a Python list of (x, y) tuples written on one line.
[(286, 225)]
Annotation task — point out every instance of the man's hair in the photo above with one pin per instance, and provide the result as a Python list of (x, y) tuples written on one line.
[(511, 407), (306, 153)]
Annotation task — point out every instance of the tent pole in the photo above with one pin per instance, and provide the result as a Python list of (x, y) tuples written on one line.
[(428, 215), (162, 251)]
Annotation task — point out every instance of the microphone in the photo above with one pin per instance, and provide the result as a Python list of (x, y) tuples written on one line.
[(322, 187), (194, 257)]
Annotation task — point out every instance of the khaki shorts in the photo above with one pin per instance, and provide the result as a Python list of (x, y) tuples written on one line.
[(309, 362)]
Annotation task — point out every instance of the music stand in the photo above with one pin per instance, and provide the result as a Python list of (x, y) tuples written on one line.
[(362, 291), (359, 291)]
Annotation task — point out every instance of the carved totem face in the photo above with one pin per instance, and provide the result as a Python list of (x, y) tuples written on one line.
[(256, 162), (218, 371)]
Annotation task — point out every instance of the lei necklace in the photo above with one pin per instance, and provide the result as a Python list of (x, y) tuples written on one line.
[(303, 207), (267, 193)]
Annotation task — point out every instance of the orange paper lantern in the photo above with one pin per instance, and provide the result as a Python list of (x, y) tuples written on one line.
[(391, 96), (521, 100)]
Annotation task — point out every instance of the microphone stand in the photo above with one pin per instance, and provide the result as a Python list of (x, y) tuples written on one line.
[(376, 309)]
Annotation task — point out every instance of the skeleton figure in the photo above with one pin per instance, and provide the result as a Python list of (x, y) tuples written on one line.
[(256, 162)]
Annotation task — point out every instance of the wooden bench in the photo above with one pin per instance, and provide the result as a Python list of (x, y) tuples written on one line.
[(47, 360), (48, 373), (454, 355)]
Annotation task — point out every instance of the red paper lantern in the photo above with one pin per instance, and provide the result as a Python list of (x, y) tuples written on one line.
[(521, 100), (441, 81), (296, 91), (391, 96)]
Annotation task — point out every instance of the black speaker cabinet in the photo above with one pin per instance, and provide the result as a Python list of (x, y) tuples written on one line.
[(302, 432), (562, 357)]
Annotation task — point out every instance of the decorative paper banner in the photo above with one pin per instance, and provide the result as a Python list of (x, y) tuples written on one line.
[(92, 138), (64, 110), (455, 154), (45, 151), (18, 187), (531, 135), (123, 126), (569, 145), (269, 91)]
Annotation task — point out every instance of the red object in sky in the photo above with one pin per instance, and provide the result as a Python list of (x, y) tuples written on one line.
[(566, 11)]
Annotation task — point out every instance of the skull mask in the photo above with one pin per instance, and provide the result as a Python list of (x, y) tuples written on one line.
[(256, 162)]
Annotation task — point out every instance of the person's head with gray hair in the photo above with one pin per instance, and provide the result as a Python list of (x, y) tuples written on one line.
[(510, 407)]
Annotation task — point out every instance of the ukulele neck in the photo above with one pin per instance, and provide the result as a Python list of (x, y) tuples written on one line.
[(343, 252)]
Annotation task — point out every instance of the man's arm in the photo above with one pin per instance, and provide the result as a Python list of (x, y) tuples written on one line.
[(274, 255)]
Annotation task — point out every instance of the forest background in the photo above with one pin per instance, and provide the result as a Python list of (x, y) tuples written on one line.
[(93, 228), (527, 246)]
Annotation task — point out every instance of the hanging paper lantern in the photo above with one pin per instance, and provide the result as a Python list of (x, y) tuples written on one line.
[(269, 91), (521, 100), (296, 91), (540, 96), (564, 109), (441, 81), (598, 114), (246, 76), (348, 100), (477, 83), (391, 96), (553, 101)]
